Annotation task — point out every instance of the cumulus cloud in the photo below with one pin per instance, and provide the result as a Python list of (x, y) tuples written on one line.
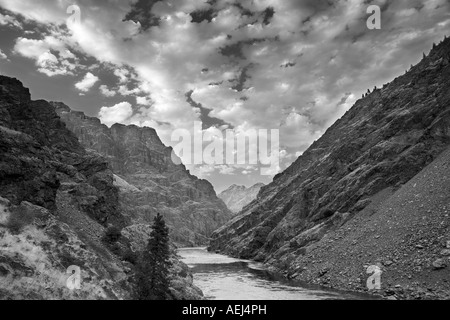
[(122, 74), (143, 101), (106, 91), (226, 170), (124, 91), (51, 55), (118, 113), (291, 65), (3, 56), (7, 20), (87, 83)]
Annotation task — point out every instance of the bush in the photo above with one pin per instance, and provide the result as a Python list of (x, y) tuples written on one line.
[(112, 235), (115, 248), (19, 218), (130, 256)]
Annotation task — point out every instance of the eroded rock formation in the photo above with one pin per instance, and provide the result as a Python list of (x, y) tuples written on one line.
[(56, 201), (148, 179)]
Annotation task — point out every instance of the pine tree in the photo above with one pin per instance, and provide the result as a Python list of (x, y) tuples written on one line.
[(154, 266)]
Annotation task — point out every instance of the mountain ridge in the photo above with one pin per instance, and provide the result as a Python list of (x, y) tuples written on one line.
[(237, 197), (153, 182), (382, 142), (57, 200)]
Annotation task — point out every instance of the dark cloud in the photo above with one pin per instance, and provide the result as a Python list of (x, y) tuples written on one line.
[(344, 99), (244, 11), (236, 50), (216, 83), (239, 83), (141, 12), (314, 7), (288, 65), (268, 15), (203, 15), (205, 117)]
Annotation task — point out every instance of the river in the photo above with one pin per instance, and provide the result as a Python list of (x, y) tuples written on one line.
[(224, 278)]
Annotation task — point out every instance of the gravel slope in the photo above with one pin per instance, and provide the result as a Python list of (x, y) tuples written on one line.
[(405, 232)]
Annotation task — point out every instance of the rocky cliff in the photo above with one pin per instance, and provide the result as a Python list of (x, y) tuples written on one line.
[(148, 179), (56, 201), (237, 197), (315, 207)]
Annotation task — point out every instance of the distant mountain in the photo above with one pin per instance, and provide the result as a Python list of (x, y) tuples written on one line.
[(149, 181), (349, 202), (57, 200), (237, 197)]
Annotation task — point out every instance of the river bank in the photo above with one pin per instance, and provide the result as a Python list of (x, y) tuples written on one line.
[(224, 278)]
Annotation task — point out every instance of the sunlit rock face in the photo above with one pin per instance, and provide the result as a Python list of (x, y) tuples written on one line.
[(380, 144), (237, 197), (148, 179)]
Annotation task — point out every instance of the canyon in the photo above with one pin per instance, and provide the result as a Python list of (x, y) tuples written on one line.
[(350, 202), (149, 181), (58, 199), (237, 197), (374, 190)]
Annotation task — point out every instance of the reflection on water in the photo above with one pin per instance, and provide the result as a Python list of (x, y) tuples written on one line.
[(224, 278)]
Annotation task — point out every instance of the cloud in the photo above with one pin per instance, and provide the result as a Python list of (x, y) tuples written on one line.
[(118, 113), (7, 20), (226, 170), (106, 92), (124, 91), (122, 74), (51, 55), (205, 170), (143, 101), (87, 83), (291, 65), (3, 56)]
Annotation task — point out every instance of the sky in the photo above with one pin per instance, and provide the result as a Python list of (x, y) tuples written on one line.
[(289, 65)]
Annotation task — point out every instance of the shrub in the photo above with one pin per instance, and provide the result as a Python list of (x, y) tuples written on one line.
[(130, 256), (112, 235), (115, 248), (19, 218)]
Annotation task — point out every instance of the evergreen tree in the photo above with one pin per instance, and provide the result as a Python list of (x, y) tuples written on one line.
[(154, 266)]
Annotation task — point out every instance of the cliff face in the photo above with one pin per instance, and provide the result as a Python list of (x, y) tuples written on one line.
[(385, 140), (237, 197), (149, 181), (56, 200), (41, 156), (46, 178)]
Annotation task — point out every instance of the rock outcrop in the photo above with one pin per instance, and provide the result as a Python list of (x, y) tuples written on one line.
[(237, 197), (41, 156), (148, 179), (404, 232), (385, 140), (56, 201)]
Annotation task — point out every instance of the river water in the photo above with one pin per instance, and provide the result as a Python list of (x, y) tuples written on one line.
[(224, 278)]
